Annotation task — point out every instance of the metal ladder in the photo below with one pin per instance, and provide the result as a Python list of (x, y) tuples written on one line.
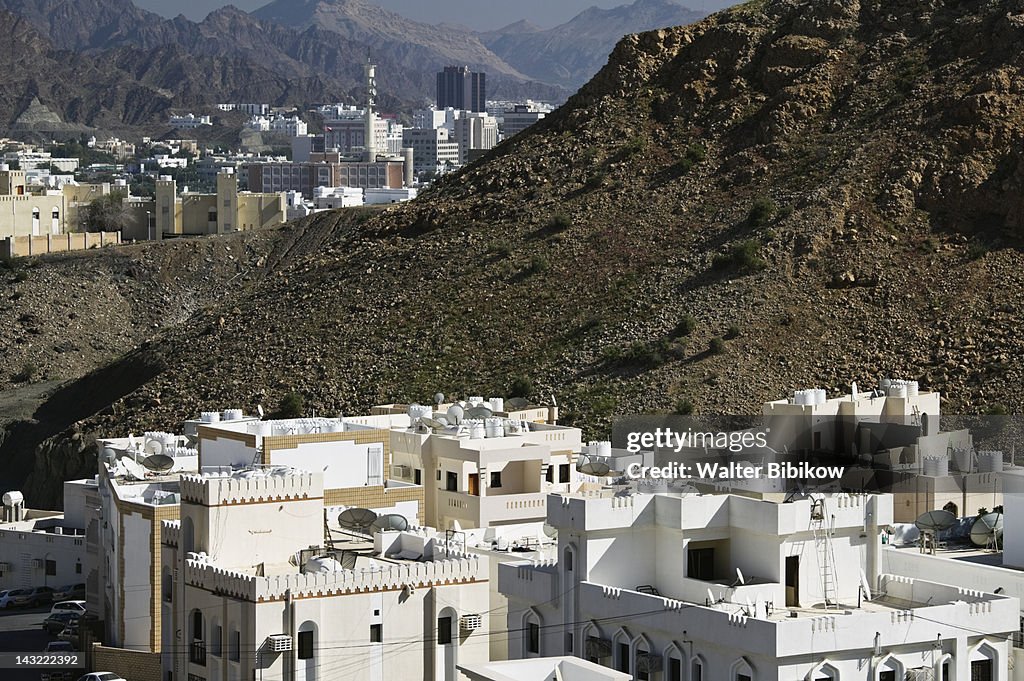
[(822, 534)]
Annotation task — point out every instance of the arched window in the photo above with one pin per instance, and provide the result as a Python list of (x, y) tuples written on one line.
[(531, 634), (197, 641), (621, 648), (188, 535), (984, 662), (567, 556), (945, 668), (823, 672), (674, 665), (697, 666), (307, 651), (741, 671), (448, 642), (889, 669), (648, 663)]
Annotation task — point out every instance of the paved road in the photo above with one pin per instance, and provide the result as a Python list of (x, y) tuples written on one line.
[(21, 631)]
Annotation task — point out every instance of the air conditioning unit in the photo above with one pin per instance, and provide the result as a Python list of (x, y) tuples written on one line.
[(401, 471), (37, 563), (470, 622), (279, 643)]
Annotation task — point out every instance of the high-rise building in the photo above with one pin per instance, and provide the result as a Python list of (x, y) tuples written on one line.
[(460, 88)]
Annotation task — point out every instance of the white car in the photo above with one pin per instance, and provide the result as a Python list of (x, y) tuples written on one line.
[(77, 607), (8, 598), (101, 676)]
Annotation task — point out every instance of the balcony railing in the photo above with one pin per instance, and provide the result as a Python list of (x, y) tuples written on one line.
[(197, 653)]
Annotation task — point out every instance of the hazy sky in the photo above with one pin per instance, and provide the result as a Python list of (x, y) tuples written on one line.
[(479, 14)]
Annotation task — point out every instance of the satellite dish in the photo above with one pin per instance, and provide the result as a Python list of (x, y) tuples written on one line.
[(438, 398), (432, 424), (259, 410), (987, 530), (479, 413), (131, 442), (711, 597), (935, 521), (455, 414), (517, 403), (554, 402), (739, 577), (389, 521), (153, 447), (134, 469), (865, 586), (443, 420), (550, 531), (598, 469), (357, 519), (158, 463)]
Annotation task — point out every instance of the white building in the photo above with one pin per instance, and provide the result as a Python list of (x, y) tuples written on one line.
[(292, 126), (486, 472), (42, 548), (433, 149), (329, 198), (385, 195), (730, 588), (190, 120), (433, 118), (250, 109), (254, 589), (475, 131)]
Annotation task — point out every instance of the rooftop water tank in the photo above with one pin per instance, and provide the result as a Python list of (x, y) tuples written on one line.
[(990, 462), (232, 414), (13, 498), (497, 403), (210, 416)]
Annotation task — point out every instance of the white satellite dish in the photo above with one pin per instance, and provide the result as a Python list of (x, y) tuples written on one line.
[(739, 577), (134, 469), (153, 447), (259, 410), (865, 587), (455, 414), (131, 442), (550, 531)]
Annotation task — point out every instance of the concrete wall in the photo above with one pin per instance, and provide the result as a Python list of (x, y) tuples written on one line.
[(129, 664), (56, 243)]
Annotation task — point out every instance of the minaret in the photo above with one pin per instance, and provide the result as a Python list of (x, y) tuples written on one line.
[(371, 99)]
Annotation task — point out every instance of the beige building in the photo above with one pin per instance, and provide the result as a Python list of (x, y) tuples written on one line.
[(189, 214), (29, 211)]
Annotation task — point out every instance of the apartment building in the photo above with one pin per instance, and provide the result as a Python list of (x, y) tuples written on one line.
[(731, 588), (475, 132), (189, 121), (353, 455), (254, 589), (329, 170), (892, 436), (433, 149), (485, 472)]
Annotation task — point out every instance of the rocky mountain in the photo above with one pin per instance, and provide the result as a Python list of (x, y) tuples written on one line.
[(788, 194), (571, 53)]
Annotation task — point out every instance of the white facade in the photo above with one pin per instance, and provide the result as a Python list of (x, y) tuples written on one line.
[(328, 198), (190, 121), (433, 149), (384, 195), (42, 548), (488, 473), (475, 131), (725, 587), (542, 669), (245, 609)]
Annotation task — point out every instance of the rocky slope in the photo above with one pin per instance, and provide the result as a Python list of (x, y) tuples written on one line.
[(788, 194)]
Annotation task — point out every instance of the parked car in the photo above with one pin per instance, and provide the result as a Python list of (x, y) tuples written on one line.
[(35, 596), (69, 592), (56, 648), (101, 676), (77, 607), (55, 622), (7, 598)]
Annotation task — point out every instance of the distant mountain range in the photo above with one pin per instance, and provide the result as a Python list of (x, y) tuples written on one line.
[(288, 52)]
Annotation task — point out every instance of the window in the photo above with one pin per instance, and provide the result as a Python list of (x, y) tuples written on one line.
[(945, 671), (888, 675), (78, 568), (234, 646), (417, 477), (697, 671), (568, 644), (700, 563), (438, 474), (623, 657), (452, 482), (51, 568), (444, 630), (376, 633), (306, 645), (981, 670), (215, 640), (550, 474), (675, 669), (496, 479), (563, 472), (743, 677), (533, 642), (568, 560)]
